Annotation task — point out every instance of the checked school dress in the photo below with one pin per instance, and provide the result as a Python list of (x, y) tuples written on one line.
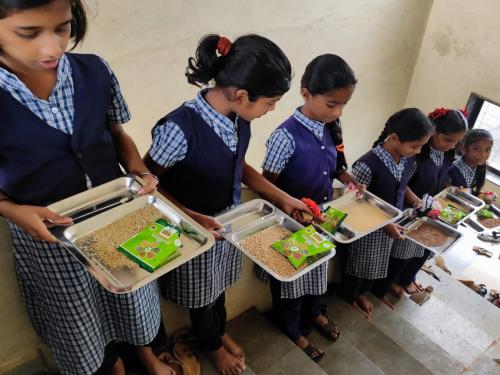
[(203, 151), (303, 152), (49, 150)]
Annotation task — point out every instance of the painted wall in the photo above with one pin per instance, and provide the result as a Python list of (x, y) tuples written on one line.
[(147, 44)]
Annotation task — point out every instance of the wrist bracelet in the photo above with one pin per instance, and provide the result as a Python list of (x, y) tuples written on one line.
[(149, 174)]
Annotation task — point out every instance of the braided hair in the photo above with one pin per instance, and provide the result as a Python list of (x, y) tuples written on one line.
[(409, 124)]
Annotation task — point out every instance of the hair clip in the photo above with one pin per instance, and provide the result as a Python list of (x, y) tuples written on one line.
[(223, 45)]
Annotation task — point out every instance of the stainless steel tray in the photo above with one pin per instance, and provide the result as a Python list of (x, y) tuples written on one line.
[(255, 216), (469, 203), (475, 223), (110, 202), (347, 233), (410, 221)]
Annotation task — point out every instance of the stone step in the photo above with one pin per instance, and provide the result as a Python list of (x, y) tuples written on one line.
[(267, 350)]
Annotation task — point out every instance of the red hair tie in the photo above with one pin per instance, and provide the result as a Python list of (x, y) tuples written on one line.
[(223, 46), (438, 112), (340, 148), (464, 112)]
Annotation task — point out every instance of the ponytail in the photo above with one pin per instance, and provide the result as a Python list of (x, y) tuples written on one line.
[(479, 179)]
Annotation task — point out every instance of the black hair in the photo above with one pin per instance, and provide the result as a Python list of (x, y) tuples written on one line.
[(327, 73), (253, 63), (78, 23), (452, 122), (471, 137), (409, 124)]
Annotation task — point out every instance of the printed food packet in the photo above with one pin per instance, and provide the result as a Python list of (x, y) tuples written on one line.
[(333, 219), (154, 246), (304, 244)]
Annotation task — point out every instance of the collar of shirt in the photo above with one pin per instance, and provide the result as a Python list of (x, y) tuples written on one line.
[(466, 170), (316, 127), (9, 81), (222, 125), (396, 169), (437, 156)]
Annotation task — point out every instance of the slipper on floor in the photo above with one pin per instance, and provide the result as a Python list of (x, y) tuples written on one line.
[(482, 251), (189, 360), (493, 237), (479, 289), (439, 260), (421, 297), (429, 271), (310, 351), (329, 329)]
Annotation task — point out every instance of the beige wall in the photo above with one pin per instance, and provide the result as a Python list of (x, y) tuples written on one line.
[(148, 42)]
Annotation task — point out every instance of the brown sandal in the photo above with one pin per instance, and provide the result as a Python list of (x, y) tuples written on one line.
[(313, 352), (329, 330), (189, 360)]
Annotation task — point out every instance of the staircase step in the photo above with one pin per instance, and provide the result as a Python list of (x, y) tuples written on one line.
[(267, 350), (447, 328), (419, 346), (374, 344)]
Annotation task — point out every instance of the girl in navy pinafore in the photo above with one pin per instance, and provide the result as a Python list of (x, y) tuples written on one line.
[(58, 139), (429, 177), (385, 170), (304, 155), (199, 151), (469, 169)]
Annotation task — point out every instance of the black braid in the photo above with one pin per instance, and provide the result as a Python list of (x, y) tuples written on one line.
[(479, 179), (336, 133), (381, 138)]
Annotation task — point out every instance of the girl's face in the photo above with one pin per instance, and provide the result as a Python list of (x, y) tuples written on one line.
[(249, 110), (410, 148), (446, 142), (478, 152), (35, 39), (327, 107)]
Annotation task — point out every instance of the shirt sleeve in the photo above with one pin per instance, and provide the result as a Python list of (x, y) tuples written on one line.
[(362, 173), (169, 145), (118, 112), (279, 149)]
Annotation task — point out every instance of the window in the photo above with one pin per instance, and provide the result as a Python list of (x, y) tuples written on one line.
[(485, 114)]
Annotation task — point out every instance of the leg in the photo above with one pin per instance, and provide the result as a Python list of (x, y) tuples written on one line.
[(311, 309), (112, 363), (229, 344), (206, 324), (408, 274), (156, 364), (382, 286), (287, 313), (352, 290)]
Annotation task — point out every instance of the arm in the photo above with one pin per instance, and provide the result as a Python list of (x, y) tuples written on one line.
[(129, 157), (412, 198)]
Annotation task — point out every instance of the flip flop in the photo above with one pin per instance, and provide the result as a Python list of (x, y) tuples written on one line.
[(479, 289), (328, 329), (189, 361), (421, 297), (439, 260), (493, 237), (495, 294), (482, 251), (310, 350), (429, 271)]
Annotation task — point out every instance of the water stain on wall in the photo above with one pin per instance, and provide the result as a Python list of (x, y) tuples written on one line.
[(445, 42)]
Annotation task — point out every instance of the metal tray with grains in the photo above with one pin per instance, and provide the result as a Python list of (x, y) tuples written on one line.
[(254, 226), (365, 215), (431, 234), (106, 216), (462, 200)]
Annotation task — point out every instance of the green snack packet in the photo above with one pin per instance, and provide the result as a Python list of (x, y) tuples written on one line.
[(485, 213), (333, 220), (452, 215), (302, 245), (154, 246)]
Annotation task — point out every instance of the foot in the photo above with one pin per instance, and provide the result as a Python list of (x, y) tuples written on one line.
[(312, 351), (397, 290), (364, 306), (413, 288), (387, 302), (232, 347), (155, 365), (226, 363), (327, 327), (118, 367)]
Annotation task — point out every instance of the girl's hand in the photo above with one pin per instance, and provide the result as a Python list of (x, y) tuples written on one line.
[(294, 207), (208, 222), (395, 231), (35, 220), (150, 183)]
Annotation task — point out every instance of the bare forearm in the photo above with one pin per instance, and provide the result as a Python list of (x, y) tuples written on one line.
[(261, 185), (346, 178), (128, 154), (411, 197)]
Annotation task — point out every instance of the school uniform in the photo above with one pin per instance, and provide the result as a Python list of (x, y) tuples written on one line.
[(203, 152), (50, 150), (429, 177), (368, 257), (461, 174), (303, 153)]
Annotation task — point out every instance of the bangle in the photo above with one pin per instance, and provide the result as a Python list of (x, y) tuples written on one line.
[(149, 174)]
